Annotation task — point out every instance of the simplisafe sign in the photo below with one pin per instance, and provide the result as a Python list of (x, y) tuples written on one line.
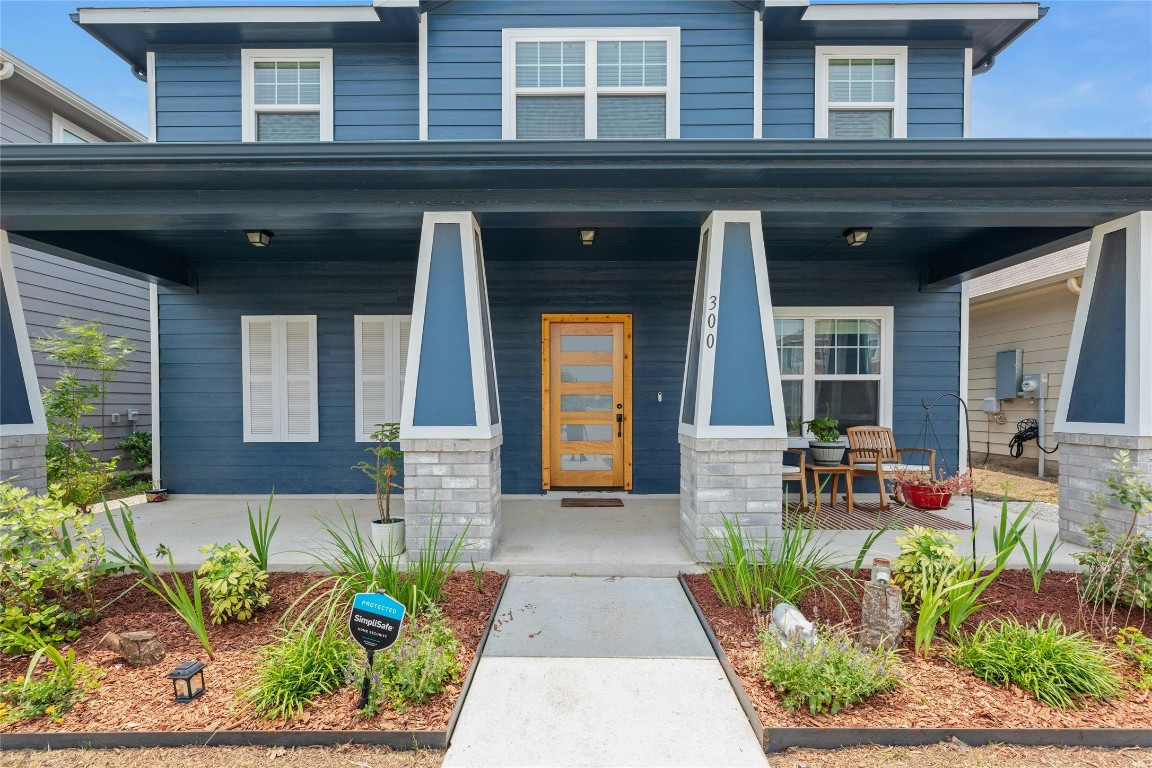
[(375, 621)]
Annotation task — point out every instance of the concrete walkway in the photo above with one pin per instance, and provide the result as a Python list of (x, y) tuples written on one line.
[(600, 672)]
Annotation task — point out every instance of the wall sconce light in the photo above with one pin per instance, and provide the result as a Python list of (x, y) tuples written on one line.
[(258, 237), (587, 236), (856, 235), (187, 681)]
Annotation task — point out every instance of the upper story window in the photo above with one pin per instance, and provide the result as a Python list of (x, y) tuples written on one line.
[(861, 93), (287, 95), (592, 83), (65, 131)]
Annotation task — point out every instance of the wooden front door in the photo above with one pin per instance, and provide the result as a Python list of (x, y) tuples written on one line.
[(586, 383)]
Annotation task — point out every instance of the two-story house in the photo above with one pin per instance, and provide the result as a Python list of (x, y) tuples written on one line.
[(623, 245)]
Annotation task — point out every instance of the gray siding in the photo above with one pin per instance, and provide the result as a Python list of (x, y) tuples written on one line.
[(375, 93), (51, 288), (23, 118), (935, 92), (464, 60)]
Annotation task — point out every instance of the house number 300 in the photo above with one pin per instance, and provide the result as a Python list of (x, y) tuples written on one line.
[(710, 338)]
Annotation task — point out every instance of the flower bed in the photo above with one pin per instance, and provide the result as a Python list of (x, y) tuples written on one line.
[(934, 692), (130, 699)]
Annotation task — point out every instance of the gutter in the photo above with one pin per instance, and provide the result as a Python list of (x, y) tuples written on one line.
[(989, 60)]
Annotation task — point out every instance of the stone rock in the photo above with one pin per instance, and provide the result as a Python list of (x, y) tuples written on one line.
[(882, 620), (139, 649)]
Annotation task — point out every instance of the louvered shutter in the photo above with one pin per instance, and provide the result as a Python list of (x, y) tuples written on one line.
[(301, 423), (260, 376), (381, 354)]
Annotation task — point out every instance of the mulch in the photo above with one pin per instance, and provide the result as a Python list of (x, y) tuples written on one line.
[(131, 699), (935, 693)]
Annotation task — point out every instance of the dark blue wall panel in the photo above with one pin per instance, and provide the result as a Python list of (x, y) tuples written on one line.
[(464, 52), (14, 406), (789, 92), (1098, 389)]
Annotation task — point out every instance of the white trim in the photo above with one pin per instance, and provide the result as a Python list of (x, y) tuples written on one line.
[(23, 347), (886, 316), (967, 92), (61, 124), (249, 57), (394, 324), (899, 107), (230, 15), (70, 100), (757, 75), (590, 35), (279, 376), (1137, 329), (423, 66), (154, 374), (702, 427), (484, 428), (921, 11), (150, 58), (965, 326)]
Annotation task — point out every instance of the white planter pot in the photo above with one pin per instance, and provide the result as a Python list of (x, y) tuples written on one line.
[(827, 454), (388, 538)]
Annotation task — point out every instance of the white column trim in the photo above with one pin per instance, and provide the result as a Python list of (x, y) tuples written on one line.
[(423, 55), (154, 374), (23, 347), (967, 92), (757, 76), (965, 324), (150, 59)]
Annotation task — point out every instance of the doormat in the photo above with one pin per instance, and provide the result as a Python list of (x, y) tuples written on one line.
[(867, 517), (591, 503)]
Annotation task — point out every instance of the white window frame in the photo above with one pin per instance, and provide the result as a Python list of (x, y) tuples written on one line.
[(899, 107), (248, 59), (591, 36), (61, 124), (280, 378), (363, 436), (810, 315)]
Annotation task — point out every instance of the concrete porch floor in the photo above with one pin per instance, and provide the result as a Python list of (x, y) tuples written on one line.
[(539, 538)]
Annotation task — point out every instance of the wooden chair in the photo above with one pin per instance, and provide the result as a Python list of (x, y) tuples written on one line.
[(796, 473), (872, 452)]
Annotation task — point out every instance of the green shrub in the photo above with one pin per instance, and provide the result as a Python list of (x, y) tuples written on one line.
[(831, 673), (138, 447), (1137, 647), (235, 585), (415, 669), (1119, 568), (1056, 666), (927, 557), (303, 664), (48, 553), (51, 694)]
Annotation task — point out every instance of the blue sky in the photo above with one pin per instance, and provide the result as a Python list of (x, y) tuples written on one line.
[(1084, 70)]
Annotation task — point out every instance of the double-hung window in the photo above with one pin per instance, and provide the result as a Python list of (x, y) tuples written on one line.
[(381, 357), (835, 361), (592, 83), (287, 95), (861, 93), (279, 379)]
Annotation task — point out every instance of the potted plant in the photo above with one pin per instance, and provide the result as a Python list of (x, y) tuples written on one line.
[(923, 491), (827, 450), (387, 531)]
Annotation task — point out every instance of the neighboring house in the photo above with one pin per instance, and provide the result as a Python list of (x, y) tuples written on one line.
[(583, 245), (1030, 307), (36, 109)]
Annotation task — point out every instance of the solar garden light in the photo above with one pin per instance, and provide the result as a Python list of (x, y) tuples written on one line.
[(881, 570), (187, 681)]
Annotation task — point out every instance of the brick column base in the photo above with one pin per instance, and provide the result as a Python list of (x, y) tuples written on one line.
[(1085, 463), (458, 481), (737, 478), (22, 461)]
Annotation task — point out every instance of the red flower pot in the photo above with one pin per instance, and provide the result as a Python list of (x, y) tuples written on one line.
[(925, 497)]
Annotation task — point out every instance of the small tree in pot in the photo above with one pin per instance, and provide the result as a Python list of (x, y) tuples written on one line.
[(387, 532), (827, 450)]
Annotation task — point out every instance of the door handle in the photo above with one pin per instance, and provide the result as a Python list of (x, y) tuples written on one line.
[(619, 425)]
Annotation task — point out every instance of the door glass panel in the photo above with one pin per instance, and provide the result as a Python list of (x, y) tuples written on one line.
[(585, 402), (585, 343), (585, 373), (598, 433), (586, 462)]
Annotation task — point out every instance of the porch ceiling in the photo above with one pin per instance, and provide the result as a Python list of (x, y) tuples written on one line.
[(959, 207)]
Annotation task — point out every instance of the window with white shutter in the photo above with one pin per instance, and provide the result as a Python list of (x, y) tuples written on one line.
[(280, 384), (381, 356)]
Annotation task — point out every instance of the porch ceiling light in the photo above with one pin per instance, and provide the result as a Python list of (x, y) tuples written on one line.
[(856, 235), (258, 237), (587, 236)]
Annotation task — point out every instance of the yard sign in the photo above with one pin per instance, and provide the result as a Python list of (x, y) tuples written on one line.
[(375, 624)]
